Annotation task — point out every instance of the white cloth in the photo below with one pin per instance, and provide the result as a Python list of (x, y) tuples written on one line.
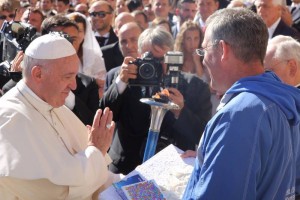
[(43, 47), (93, 63), (41, 142)]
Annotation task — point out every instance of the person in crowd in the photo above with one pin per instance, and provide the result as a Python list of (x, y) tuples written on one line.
[(55, 156), (121, 7), (186, 10), (188, 40), (128, 45), (7, 13), (111, 53), (47, 8), (283, 58), (76, 2), (90, 55), (236, 3), (82, 8), (62, 7), (270, 12), (33, 3), (163, 23), (133, 5), (205, 9), (33, 17), (149, 12), (256, 128), (141, 18), (161, 9), (182, 127), (122, 19), (101, 14)]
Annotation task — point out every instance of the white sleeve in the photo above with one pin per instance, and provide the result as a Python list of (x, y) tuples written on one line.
[(121, 86), (94, 167)]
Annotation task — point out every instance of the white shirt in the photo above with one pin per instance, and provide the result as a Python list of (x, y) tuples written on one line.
[(39, 142)]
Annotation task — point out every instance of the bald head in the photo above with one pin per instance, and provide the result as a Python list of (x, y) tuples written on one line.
[(128, 39), (121, 19)]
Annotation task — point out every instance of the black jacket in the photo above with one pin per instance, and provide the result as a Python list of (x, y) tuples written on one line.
[(112, 56), (283, 29), (133, 120)]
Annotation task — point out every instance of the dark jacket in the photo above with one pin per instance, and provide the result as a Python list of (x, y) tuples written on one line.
[(112, 56), (283, 29), (111, 39)]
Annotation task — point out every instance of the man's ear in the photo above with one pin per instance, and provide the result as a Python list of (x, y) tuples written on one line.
[(292, 67), (225, 49), (36, 73)]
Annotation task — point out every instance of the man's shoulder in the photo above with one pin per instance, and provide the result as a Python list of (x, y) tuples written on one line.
[(110, 47), (283, 29)]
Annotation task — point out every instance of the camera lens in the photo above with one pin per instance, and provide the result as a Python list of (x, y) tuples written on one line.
[(147, 71)]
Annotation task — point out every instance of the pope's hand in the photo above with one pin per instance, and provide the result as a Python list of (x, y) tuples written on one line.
[(101, 132)]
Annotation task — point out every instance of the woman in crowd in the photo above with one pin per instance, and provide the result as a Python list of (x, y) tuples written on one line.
[(88, 51), (187, 41)]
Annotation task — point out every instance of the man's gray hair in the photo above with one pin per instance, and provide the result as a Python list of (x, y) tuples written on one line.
[(286, 48), (28, 63), (156, 36), (243, 30)]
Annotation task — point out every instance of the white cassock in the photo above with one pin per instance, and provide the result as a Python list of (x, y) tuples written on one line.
[(43, 151)]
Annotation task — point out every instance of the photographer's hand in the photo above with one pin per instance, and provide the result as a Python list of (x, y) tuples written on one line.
[(128, 70), (177, 98), (16, 63)]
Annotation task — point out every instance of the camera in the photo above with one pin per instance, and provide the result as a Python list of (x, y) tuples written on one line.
[(149, 71), (18, 33), (16, 36), (174, 62)]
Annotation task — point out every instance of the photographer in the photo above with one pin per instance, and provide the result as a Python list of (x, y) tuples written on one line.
[(181, 127)]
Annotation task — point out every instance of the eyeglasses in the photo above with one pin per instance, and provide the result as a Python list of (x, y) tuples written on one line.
[(4, 17), (201, 51), (100, 14)]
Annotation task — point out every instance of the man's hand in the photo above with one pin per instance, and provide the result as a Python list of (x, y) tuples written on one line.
[(177, 98), (101, 132), (128, 71), (16, 64)]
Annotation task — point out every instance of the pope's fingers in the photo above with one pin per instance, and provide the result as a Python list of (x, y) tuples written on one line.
[(97, 118)]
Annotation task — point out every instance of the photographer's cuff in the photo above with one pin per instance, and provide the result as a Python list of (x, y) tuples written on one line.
[(121, 86)]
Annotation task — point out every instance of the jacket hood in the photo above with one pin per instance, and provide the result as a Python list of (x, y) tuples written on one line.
[(270, 86)]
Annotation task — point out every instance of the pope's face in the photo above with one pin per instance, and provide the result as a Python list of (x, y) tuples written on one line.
[(58, 79)]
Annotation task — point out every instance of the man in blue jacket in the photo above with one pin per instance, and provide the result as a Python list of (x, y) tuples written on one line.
[(250, 148)]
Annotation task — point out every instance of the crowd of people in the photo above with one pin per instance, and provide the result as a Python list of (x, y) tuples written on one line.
[(73, 122)]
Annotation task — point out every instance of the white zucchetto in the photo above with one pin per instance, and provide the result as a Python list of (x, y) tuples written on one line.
[(50, 46)]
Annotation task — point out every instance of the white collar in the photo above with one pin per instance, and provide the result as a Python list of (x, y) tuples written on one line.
[(272, 28), (105, 35), (38, 103)]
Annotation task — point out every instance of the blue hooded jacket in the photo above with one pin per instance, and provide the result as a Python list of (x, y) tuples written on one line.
[(251, 147)]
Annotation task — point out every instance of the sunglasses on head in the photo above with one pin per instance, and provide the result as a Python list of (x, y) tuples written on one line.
[(100, 14), (4, 17)]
